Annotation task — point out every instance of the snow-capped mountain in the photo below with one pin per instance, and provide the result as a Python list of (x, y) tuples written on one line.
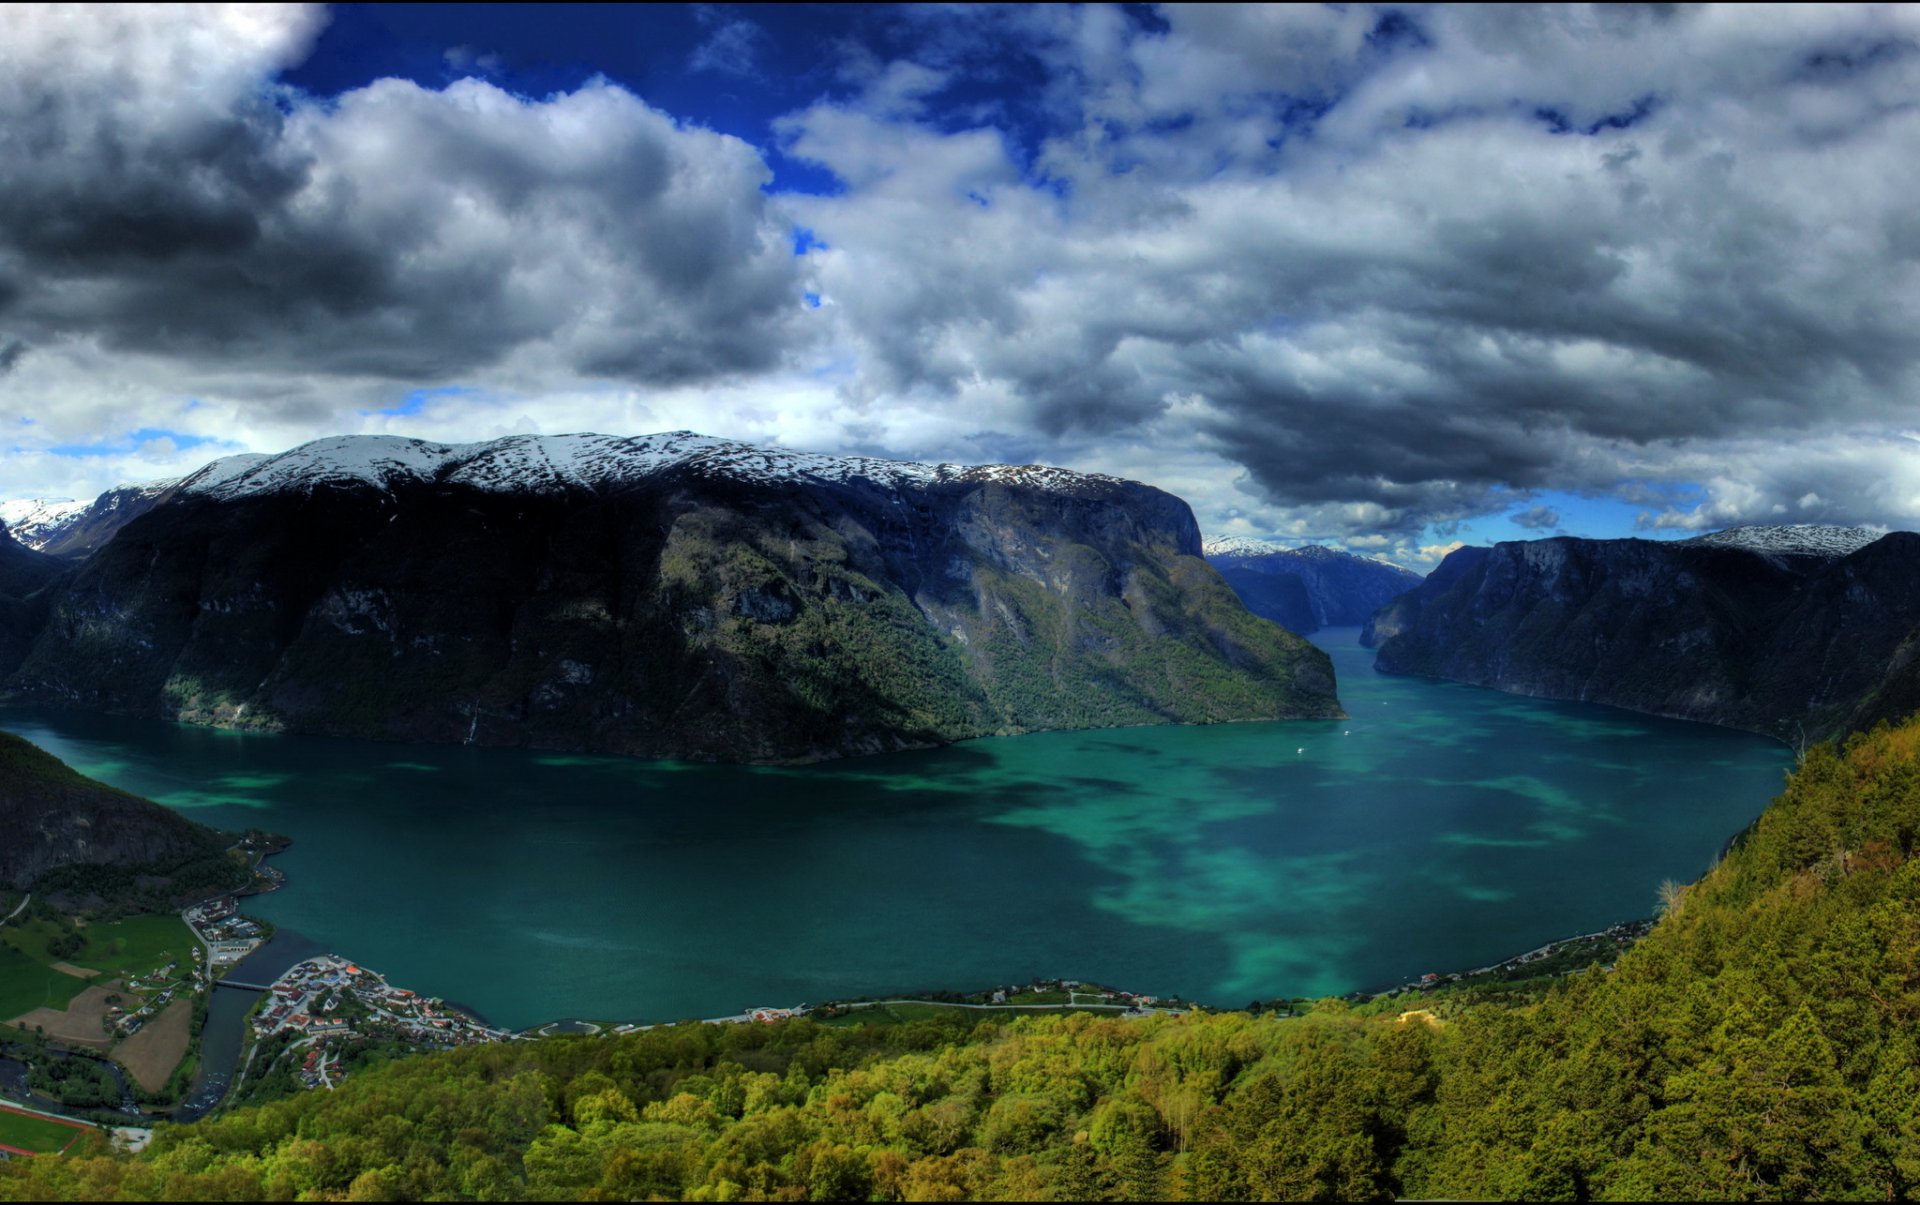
[(37, 521), (1306, 588), (545, 463), (1798, 539), (74, 529), (1247, 547), (669, 595)]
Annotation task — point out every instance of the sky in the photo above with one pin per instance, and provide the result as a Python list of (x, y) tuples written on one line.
[(1386, 277)]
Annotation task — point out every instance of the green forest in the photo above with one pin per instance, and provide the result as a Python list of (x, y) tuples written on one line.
[(1759, 1044)]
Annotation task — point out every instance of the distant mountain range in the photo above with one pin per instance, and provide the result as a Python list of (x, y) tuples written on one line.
[(1796, 632), (1307, 588), (668, 595), (66, 528)]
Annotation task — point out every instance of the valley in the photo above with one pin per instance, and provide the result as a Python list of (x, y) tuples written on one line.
[(1221, 863)]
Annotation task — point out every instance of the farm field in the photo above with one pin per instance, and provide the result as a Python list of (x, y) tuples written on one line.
[(153, 1053), (27, 983)]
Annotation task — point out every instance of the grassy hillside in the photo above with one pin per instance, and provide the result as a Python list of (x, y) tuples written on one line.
[(1761, 1044)]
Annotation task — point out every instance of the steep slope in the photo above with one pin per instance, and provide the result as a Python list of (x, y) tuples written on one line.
[(1306, 589), (669, 596), (67, 834), (1794, 638), (24, 578), (22, 570)]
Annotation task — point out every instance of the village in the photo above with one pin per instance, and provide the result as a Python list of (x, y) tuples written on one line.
[(330, 997)]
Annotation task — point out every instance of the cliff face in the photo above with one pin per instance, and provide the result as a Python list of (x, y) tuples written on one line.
[(670, 596), (1306, 589), (1777, 639)]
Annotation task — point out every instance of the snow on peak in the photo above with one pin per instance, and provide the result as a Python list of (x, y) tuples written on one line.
[(36, 521), (1799, 539), (1254, 546), (1241, 546), (41, 522), (543, 463)]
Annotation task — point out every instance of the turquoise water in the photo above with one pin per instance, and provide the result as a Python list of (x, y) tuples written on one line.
[(1443, 826)]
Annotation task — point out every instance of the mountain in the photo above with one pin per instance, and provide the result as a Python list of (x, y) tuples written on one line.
[(69, 835), (664, 596), (1796, 633), (65, 528), (1308, 588)]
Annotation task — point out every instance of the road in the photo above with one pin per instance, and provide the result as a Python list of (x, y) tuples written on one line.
[(20, 909)]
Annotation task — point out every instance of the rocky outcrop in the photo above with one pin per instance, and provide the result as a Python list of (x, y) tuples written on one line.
[(1306, 589), (667, 596), (1796, 642)]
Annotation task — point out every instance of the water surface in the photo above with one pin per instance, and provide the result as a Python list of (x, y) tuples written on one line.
[(1443, 826)]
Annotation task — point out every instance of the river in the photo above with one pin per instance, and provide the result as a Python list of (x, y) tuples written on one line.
[(1442, 826)]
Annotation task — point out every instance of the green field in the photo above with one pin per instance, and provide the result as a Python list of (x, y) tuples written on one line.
[(40, 1135), (26, 983), (135, 945)]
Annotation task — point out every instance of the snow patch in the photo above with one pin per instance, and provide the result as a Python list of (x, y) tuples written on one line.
[(1799, 539), (37, 522)]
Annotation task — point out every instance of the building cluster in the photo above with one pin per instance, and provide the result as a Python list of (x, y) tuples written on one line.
[(328, 997), (151, 992), (228, 935)]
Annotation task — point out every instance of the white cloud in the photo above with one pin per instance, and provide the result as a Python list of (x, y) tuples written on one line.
[(1330, 277)]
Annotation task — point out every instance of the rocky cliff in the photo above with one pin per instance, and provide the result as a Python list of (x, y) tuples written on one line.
[(664, 596), (1791, 633), (1306, 589)]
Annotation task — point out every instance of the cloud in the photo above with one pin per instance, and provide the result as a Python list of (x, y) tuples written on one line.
[(392, 233), (1536, 518), (733, 46), (1411, 275), (1334, 274)]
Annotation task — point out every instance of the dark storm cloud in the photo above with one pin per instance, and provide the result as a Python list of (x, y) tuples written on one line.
[(1411, 317), (393, 232)]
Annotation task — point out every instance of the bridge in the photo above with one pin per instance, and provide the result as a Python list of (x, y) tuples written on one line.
[(245, 987)]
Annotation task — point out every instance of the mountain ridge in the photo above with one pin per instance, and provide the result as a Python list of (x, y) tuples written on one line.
[(665, 596), (1795, 646)]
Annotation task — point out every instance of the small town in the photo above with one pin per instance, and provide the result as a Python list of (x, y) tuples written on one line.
[(330, 997)]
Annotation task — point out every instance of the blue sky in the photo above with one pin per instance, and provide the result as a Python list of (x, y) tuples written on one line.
[(1387, 276)]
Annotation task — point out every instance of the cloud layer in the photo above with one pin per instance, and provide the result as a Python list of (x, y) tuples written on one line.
[(1356, 273)]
